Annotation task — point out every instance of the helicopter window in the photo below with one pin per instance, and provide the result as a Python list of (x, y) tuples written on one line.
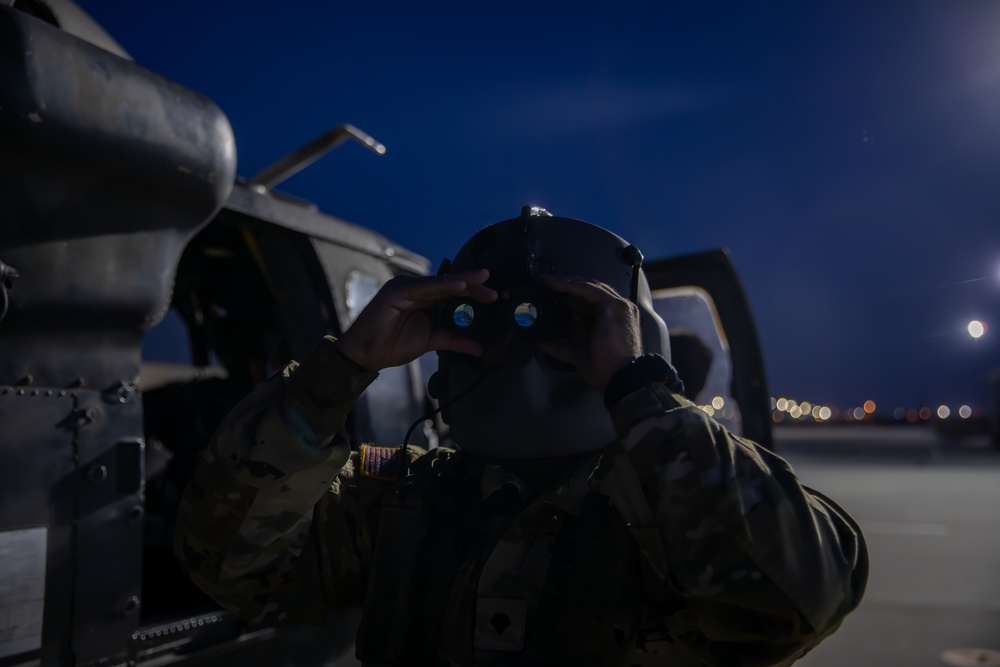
[(700, 351), (360, 289)]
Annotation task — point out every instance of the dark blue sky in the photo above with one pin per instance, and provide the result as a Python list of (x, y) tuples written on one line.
[(847, 153)]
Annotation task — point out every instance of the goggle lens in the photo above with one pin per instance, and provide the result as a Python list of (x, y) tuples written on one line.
[(464, 315), (525, 315)]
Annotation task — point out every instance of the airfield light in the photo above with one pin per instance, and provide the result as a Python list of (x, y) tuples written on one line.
[(943, 412), (976, 328), (965, 412), (795, 412), (869, 407), (859, 413), (912, 415), (899, 414), (718, 402), (782, 404), (806, 407), (825, 413), (925, 413)]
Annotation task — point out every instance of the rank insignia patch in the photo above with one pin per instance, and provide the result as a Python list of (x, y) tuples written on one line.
[(380, 462)]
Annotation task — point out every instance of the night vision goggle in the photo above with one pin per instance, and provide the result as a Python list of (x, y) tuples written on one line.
[(525, 310)]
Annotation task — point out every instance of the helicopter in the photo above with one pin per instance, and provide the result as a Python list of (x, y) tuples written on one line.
[(145, 288)]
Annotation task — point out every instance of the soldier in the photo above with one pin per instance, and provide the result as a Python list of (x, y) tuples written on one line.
[(592, 515)]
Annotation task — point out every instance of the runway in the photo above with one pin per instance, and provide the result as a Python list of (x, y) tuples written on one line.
[(930, 510)]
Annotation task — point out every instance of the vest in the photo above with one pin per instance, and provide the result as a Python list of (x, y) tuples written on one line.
[(571, 602)]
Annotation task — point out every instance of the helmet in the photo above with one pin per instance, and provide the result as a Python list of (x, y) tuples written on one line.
[(528, 407)]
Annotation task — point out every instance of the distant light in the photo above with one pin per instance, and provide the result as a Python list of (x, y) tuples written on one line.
[(912, 415), (925, 413), (773, 402), (778, 417), (825, 413), (976, 328), (899, 413), (709, 409), (782, 404), (869, 407), (859, 413), (795, 412), (943, 412), (815, 412), (718, 402), (965, 412), (806, 407)]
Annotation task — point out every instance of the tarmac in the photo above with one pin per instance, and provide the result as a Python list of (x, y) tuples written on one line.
[(929, 507)]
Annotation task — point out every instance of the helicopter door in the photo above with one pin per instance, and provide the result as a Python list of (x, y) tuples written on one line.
[(713, 339)]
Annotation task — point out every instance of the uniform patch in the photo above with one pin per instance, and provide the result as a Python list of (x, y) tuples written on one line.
[(380, 462), (500, 624)]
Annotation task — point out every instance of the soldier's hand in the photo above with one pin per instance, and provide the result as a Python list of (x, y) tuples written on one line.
[(606, 329), (398, 325)]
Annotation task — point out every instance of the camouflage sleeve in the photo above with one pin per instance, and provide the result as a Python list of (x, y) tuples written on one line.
[(767, 567), (245, 533)]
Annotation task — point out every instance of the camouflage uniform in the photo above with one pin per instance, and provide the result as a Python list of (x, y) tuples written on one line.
[(679, 545)]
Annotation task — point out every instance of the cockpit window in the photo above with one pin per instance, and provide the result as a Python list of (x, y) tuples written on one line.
[(360, 289), (700, 351)]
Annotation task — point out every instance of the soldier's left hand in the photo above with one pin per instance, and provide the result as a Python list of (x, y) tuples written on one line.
[(606, 330)]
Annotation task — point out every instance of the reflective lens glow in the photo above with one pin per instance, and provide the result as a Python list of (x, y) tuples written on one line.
[(464, 315), (525, 315)]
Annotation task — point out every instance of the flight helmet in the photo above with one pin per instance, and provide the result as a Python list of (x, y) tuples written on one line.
[(527, 405)]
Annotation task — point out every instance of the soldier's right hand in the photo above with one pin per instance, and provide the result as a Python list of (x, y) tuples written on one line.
[(398, 325)]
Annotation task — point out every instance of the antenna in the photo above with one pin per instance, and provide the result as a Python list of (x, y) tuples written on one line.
[(291, 164)]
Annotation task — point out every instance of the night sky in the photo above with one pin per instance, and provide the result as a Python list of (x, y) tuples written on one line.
[(846, 153)]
